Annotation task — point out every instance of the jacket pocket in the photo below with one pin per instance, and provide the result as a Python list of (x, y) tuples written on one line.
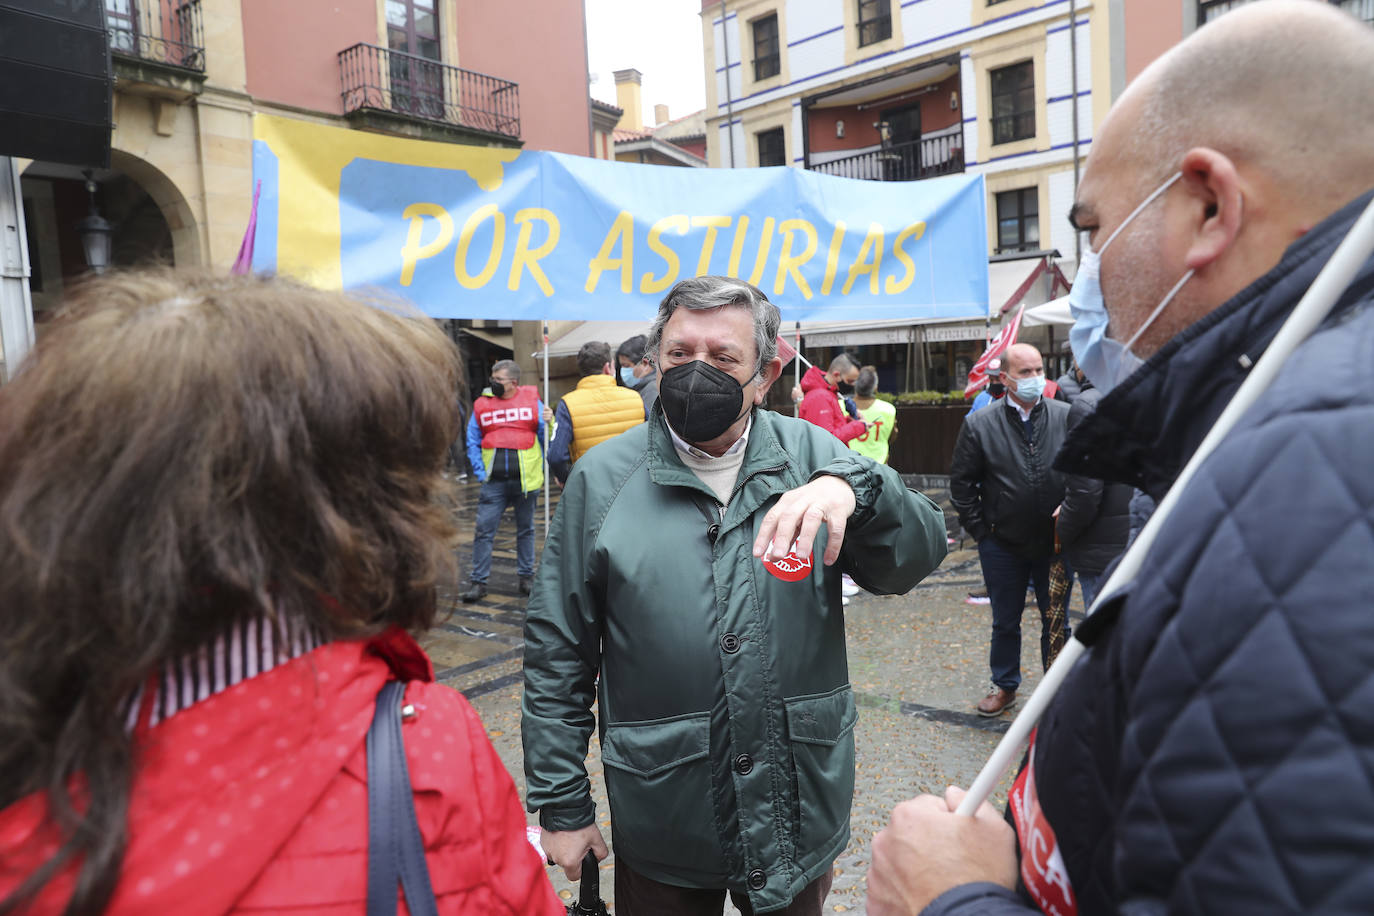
[(658, 778), (820, 728)]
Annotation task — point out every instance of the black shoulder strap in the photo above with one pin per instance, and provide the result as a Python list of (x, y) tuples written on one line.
[(394, 846)]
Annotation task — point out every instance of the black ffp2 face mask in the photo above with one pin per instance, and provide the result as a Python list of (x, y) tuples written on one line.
[(497, 388), (700, 401)]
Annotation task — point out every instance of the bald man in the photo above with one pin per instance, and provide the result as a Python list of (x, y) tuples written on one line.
[(1005, 491), (1213, 752)]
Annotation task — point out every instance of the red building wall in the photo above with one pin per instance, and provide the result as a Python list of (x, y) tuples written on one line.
[(696, 146), (859, 131), (1149, 33), (291, 50), (539, 44)]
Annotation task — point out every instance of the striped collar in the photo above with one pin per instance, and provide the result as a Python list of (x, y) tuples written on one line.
[(247, 649)]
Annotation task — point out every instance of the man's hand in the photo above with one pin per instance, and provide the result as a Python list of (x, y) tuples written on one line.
[(548, 414), (567, 848), (927, 849), (796, 394), (799, 513)]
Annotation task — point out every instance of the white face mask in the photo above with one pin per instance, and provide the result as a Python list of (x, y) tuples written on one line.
[(1106, 361)]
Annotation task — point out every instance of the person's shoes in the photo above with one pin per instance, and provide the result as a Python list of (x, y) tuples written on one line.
[(525, 584), (476, 591), (996, 701), (463, 475), (848, 587), (844, 600)]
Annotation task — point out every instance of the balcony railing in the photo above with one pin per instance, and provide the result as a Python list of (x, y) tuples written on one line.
[(928, 157), (164, 31), (379, 79)]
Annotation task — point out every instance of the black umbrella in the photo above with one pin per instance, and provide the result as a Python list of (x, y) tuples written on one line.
[(589, 901)]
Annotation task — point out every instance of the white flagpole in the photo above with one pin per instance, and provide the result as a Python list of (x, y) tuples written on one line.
[(1313, 308), (796, 368)]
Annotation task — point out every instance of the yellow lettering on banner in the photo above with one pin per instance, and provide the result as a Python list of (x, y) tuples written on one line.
[(498, 243), (737, 247), (708, 244), (647, 283), (789, 263), (913, 232), (765, 244), (524, 258), (832, 257), (872, 247), (622, 231), (412, 250)]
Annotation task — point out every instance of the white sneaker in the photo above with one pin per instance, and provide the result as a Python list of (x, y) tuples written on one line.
[(848, 588), (844, 600)]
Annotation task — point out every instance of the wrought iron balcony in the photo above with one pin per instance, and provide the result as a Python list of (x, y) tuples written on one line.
[(381, 80), (928, 157), (162, 31)]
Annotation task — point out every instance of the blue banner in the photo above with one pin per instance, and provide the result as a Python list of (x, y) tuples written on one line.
[(471, 232)]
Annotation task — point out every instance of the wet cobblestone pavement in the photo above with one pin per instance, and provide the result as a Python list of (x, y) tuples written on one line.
[(918, 663)]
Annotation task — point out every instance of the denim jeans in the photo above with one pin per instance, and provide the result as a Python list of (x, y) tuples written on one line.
[(1006, 575), (1090, 586), (491, 503)]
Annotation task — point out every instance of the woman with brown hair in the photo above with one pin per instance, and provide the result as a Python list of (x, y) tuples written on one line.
[(218, 526)]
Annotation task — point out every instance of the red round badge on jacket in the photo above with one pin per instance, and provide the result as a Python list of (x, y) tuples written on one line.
[(789, 568)]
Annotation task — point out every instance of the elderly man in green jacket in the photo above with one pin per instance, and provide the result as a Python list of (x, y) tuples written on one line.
[(679, 569)]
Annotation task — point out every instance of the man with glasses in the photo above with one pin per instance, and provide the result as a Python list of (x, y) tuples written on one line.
[(505, 440)]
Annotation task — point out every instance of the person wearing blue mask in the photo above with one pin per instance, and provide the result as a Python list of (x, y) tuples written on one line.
[(1211, 750), (1005, 492), (637, 372)]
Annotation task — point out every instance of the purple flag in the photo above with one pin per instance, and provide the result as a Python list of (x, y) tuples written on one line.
[(243, 264)]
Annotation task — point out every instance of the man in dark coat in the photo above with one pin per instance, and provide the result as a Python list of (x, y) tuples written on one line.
[(1212, 751), (1095, 517), (1005, 492)]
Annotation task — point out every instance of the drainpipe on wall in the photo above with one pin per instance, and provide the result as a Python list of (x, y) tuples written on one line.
[(1073, 88), (729, 103)]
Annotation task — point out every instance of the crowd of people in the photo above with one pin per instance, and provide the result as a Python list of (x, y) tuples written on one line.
[(216, 563)]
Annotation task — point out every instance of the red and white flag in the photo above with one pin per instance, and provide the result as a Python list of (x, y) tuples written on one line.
[(978, 375), (786, 352)]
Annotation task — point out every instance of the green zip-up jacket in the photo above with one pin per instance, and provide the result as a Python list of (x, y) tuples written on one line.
[(726, 714)]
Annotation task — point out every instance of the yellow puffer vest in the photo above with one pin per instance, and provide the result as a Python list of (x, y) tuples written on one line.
[(600, 410)]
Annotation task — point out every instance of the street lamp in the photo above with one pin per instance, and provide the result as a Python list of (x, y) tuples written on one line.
[(95, 232)]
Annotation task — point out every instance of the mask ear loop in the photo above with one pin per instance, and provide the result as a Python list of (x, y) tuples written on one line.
[(1159, 308), (1136, 212)]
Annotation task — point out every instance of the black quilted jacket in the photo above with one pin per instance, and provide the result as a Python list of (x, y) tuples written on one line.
[(1095, 517), (1214, 752)]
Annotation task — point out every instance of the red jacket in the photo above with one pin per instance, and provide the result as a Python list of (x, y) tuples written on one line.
[(820, 405), (256, 799)]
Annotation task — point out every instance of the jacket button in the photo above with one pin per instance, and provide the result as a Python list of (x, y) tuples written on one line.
[(757, 879), (730, 643), (744, 764)]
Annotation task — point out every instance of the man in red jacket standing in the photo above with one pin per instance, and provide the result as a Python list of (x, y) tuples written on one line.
[(821, 403)]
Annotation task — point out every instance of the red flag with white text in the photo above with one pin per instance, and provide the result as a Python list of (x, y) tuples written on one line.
[(978, 375)]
